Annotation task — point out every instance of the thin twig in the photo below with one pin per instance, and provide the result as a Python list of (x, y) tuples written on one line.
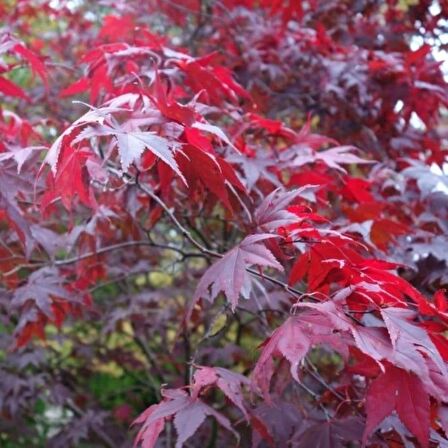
[(187, 234), (123, 245)]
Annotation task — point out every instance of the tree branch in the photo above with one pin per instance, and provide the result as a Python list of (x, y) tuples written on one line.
[(187, 234), (123, 245)]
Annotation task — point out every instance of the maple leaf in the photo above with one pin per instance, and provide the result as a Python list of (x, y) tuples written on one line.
[(401, 343), (131, 145), (117, 28), (69, 181), (229, 273), (43, 298), (7, 87), (50, 241), (275, 127), (323, 259), (215, 82), (330, 434), (170, 108), (406, 336), (254, 168), (189, 413), (272, 214), (215, 130), (94, 115), (205, 166), (20, 155), (375, 342), (275, 422), (79, 86), (42, 286), (15, 216), (33, 59), (229, 382), (292, 340), (428, 180), (439, 307), (9, 43), (333, 157), (396, 389)]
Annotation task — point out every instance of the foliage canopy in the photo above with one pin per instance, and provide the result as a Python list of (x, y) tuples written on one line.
[(224, 222)]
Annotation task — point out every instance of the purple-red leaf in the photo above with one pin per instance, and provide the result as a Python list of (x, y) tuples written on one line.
[(229, 273), (398, 390)]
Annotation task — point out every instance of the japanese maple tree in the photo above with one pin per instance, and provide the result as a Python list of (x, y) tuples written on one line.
[(223, 223)]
